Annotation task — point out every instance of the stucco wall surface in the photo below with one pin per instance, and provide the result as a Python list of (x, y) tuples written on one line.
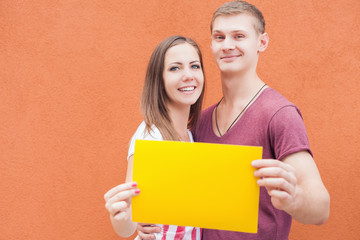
[(71, 74)]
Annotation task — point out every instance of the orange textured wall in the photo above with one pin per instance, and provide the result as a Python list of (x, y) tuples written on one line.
[(71, 74)]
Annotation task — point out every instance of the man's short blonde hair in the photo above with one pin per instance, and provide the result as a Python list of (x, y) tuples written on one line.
[(238, 7)]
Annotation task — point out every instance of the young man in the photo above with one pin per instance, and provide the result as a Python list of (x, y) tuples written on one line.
[(250, 113)]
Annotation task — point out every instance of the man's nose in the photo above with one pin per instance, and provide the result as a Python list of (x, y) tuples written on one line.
[(228, 44)]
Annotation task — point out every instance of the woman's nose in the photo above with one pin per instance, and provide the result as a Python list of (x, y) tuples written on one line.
[(188, 74)]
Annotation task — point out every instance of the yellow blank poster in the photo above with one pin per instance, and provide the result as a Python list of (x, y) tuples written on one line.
[(196, 184)]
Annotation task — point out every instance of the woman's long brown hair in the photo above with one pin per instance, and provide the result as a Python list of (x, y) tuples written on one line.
[(154, 97)]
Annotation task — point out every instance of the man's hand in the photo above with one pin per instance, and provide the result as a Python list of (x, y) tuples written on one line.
[(280, 181), (295, 186)]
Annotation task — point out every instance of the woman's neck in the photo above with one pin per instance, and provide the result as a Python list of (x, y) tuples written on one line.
[(179, 117)]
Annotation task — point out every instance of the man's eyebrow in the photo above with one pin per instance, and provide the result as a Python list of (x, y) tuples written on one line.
[(232, 31), (244, 31)]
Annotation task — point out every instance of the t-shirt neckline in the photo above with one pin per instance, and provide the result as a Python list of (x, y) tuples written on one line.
[(240, 119)]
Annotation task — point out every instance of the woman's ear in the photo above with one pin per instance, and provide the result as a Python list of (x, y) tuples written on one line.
[(264, 41)]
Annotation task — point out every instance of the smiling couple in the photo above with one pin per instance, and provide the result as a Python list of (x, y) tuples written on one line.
[(250, 113)]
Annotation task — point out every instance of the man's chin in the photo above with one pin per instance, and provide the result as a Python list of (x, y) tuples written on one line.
[(229, 70)]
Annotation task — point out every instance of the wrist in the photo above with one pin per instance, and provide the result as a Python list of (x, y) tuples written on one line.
[(296, 203)]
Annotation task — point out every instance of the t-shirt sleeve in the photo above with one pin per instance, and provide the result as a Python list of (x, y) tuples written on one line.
[(141, 133), (288, 133)]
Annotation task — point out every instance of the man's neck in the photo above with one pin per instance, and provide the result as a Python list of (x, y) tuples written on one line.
[(238, 87)]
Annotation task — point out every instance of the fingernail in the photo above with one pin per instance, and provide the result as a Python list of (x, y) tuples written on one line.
[(134, 184), (137, 191)]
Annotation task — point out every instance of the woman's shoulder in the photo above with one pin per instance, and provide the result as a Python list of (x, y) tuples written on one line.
[(190, 136), (143, 133)]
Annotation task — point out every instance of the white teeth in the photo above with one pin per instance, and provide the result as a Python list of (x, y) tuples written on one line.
[(187, 89)]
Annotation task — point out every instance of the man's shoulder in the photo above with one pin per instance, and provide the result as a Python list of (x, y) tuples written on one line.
[(208, 111), (272, 100), (204, 123), (274, 97), (270, 103)]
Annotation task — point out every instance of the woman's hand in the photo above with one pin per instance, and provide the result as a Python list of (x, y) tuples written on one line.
[(118, 200), (146, 231)]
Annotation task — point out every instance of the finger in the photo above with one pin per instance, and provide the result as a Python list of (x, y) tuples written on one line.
[(275, 172), (148, 228), (146, 236), (263, 163), (140, 226), (281, 195), (124, 196), (276, 183), (118, 189), (117, 207), (121, 216)]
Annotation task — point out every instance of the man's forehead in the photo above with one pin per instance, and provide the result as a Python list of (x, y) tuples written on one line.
[(234, 22)]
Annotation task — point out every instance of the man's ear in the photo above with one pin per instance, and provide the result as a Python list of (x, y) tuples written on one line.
[(264, 42)]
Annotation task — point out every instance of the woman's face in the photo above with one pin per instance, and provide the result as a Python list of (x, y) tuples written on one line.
[(183, 76)]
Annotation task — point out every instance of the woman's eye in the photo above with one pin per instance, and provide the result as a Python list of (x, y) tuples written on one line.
[(218, 37), (174, 68), (239, 36), (196, 66)]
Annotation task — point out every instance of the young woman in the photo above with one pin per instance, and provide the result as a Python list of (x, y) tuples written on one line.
[(171, 104)]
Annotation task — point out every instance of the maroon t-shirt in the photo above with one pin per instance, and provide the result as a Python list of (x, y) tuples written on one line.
[(275, 124)]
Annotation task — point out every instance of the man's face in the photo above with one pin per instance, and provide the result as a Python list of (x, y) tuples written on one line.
[(235, 43)]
